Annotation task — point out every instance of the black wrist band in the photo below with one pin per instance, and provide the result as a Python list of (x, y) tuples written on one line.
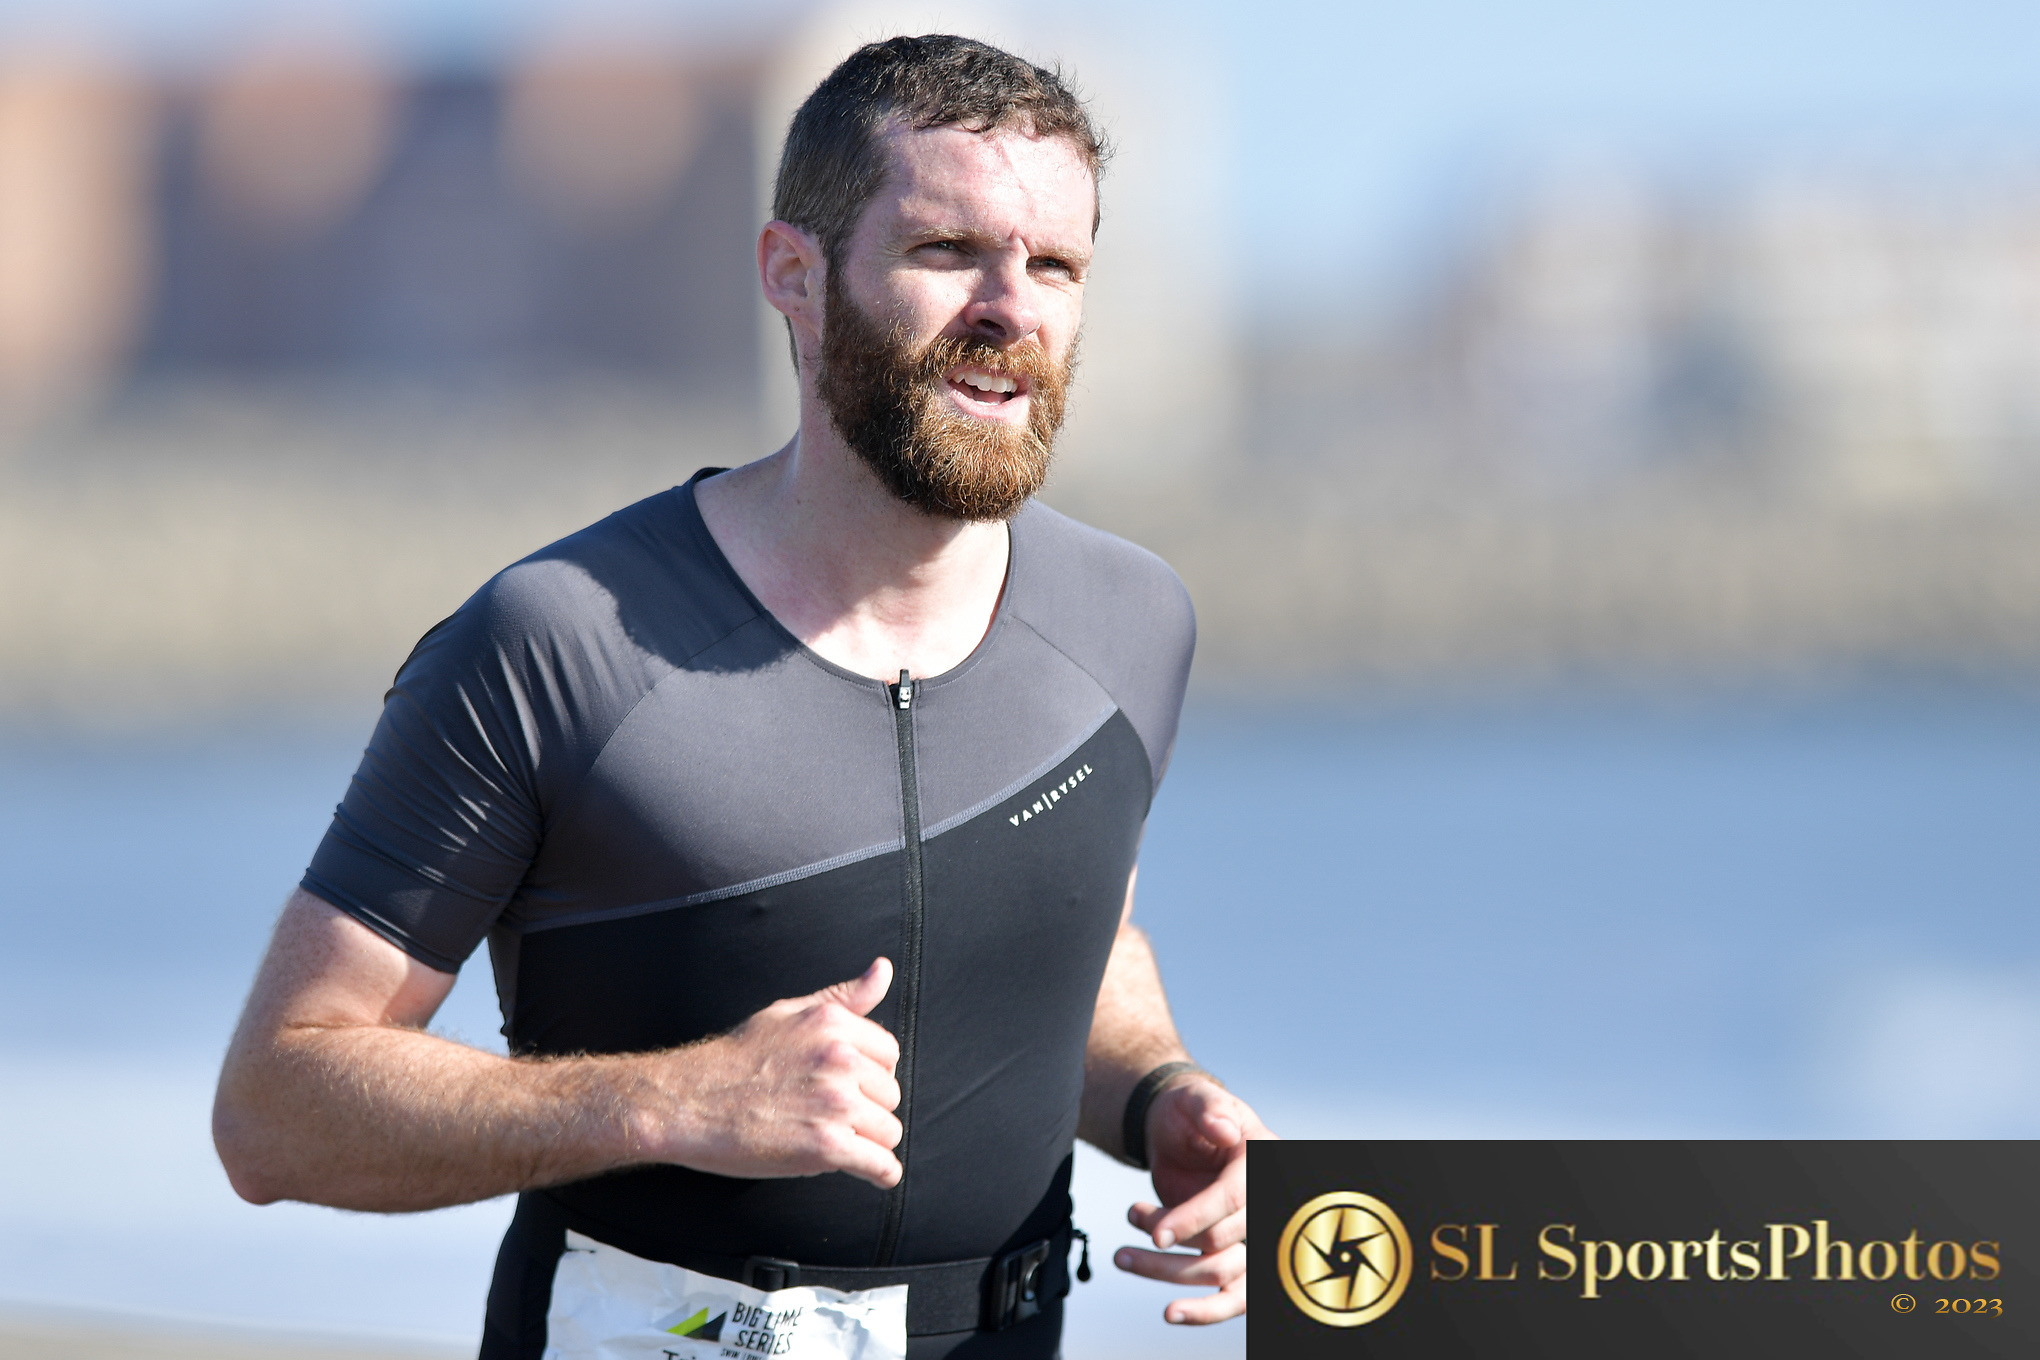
[(1133, 1129)]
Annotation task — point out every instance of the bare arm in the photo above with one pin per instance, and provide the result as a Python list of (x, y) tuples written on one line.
[(1132, 1033), (333, 1093), (1197, 1133)]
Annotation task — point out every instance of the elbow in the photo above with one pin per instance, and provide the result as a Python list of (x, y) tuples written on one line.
[(245, 1153), (244, 1165), (251, 1189)]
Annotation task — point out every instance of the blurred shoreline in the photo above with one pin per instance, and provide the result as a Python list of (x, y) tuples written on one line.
[(307, 333), (191, 554)]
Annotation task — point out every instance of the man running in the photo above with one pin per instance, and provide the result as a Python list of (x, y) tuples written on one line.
[(799, 807)]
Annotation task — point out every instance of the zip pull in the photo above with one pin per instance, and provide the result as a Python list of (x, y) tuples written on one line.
[(904, 691), (1084, 1261)]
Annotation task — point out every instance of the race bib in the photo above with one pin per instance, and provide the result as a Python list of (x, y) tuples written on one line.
[(610, 1305)]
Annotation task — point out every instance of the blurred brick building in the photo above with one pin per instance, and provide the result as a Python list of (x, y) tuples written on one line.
[(309, 209), (76, 222), (322, 207), (585, 211)]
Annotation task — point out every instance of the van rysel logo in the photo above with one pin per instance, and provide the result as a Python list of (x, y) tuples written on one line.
[(1344, 1259), (1050, 797)]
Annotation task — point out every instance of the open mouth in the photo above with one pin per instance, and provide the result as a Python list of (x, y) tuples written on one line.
[(984, 390)]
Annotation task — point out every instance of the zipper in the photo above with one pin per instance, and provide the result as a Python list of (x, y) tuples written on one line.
[(908, 978)]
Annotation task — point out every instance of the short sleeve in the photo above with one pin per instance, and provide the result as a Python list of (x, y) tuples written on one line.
[(1115, 609), (441, 819)]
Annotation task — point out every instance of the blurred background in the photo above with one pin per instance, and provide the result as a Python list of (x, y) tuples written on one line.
[(1603, 442)]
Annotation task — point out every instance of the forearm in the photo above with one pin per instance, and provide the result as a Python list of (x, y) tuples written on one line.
[(333, 1093), (381, 1118), (1196, 1134), (1132, 1033)]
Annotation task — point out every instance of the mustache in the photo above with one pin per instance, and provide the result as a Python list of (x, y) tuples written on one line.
[(1025, 360)]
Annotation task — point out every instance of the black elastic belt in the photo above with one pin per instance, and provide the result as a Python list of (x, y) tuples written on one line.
[(985, 1293)]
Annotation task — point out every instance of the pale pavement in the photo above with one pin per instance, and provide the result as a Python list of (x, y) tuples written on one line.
[(81, 1336)]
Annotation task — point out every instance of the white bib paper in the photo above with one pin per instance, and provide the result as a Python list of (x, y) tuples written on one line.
[(610, 1305)]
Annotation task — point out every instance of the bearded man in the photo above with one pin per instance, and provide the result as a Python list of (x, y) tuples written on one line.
[(799, 806)]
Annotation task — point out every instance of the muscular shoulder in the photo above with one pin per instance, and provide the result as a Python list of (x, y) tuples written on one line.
[(570, 638), (642, 573), (1115, 609)]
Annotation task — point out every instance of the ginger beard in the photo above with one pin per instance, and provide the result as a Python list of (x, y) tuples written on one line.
[(891, 405)]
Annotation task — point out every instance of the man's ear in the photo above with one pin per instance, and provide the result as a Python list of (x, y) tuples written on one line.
[(792, 272)]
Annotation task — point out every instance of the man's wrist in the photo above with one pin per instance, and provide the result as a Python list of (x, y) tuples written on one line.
[(615, 1111), (1133, 1137)]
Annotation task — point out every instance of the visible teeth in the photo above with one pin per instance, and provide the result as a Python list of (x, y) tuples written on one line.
[(985, 382)]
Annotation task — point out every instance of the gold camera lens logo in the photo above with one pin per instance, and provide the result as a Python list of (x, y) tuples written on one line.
[(1344, 1259)]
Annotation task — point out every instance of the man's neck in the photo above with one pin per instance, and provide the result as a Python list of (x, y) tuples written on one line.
[(863, 579)]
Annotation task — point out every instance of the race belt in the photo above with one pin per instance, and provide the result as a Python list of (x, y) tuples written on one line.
[(983, 1293)]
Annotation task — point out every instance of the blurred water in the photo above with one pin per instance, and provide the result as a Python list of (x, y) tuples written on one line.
[(1749, 917), (1744, 918)]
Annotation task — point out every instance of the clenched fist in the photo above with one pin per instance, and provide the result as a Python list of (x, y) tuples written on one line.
[(803, 1087)]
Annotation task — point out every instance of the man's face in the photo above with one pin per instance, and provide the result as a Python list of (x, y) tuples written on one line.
[(951, 321)]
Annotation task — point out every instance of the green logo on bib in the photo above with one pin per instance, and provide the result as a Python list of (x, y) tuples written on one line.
[(700, 1327)]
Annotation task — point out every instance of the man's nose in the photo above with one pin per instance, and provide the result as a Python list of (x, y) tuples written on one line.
[(1003, 309)]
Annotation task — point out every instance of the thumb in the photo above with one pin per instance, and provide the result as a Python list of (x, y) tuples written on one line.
[(1223, 1129), (1217, 1122), (860, 994)]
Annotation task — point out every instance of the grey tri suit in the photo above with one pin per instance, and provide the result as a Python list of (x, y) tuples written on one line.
[(665, 813)]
